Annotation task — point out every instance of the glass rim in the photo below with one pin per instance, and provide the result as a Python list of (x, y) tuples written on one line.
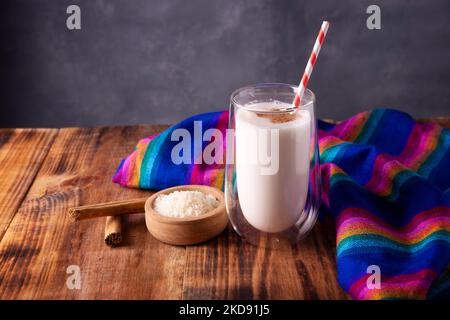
[(308, 92)]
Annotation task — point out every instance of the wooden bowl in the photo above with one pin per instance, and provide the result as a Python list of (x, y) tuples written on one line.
[(186, 230)]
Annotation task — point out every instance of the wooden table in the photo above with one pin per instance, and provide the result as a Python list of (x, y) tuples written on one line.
[(43, 172)]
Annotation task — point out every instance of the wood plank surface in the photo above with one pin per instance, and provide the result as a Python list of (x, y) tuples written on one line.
[(229, 268), (442, 121), (44, 172), (22, 152), (41, 242)]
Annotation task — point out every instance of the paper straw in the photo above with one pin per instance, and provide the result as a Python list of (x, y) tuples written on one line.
[(312, 60)]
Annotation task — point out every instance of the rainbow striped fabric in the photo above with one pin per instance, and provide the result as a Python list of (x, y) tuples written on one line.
[(386, 183)]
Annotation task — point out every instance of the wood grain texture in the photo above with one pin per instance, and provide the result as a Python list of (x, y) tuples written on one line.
[(305, 271), (442, 121), (42, 242), (22, 152), (228, 268), (75, 169)]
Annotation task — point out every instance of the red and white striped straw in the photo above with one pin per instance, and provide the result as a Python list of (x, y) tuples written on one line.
[(312, 60)]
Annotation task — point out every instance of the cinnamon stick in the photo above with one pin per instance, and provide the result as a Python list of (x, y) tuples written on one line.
[(113, 231), (113, 208)]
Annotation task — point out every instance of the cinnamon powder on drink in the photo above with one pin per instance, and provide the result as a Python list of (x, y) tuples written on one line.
[(279, 117)]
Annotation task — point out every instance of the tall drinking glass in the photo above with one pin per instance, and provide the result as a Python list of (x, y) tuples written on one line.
[(272, 178)]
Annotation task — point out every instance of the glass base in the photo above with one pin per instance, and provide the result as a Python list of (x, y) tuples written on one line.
[(268, 240), (277, 240)]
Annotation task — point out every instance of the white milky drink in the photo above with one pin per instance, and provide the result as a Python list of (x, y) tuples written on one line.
[(272, 164)]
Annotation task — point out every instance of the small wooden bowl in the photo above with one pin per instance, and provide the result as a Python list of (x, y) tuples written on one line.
[(187, 230)]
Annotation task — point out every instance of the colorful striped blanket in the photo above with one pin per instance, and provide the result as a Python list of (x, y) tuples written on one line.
[(386, 183)]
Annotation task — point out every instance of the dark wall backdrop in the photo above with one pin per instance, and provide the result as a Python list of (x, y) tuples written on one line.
[(158, 61)]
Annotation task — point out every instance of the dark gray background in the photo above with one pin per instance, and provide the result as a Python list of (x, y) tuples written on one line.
[(159, 61)]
